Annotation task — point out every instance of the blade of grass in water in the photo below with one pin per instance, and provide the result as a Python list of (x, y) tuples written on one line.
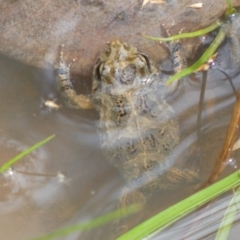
[(230, 10), (181, 209), (91, 224), (186, 35), (203, 59), (8, 164), (229, 217)]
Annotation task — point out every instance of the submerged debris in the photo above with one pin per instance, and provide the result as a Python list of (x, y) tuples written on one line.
[(196, 5), (51, 104), (208, 64), (236, 145), (152, 1)]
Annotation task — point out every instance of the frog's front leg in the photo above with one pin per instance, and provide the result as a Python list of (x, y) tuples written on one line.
[(177, 52), (129, 198), (65, 87)]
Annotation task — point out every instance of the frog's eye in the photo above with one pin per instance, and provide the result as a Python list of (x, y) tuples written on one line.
[(146, 59), (99, 69)]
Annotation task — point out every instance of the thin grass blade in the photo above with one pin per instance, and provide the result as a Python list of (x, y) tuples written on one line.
[(186, 35), (8, 164), (230, 10), (229, 217), (91, 224), (181, 209), (203, 59)]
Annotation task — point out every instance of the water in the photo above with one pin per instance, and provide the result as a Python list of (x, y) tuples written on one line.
[(35, 198), (68, 180)]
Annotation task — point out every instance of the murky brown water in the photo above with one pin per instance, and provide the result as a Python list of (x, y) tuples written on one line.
[(35, 199)]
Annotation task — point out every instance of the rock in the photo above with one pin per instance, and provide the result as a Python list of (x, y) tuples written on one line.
[(31, 31)]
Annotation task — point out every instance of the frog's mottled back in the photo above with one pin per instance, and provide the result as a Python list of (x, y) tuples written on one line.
[(138, 129)]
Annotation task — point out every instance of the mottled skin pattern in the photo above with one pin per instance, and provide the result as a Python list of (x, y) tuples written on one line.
[(138, 129)]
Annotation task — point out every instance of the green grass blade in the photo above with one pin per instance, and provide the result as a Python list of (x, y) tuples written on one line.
[(179, 210), (8, 164), (187, 35), (229, 2), (203, 59), (230, 10), (229, 217), (91, 224)]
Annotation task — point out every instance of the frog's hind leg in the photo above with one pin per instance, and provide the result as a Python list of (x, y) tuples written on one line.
[(65, 87), (130, 198)]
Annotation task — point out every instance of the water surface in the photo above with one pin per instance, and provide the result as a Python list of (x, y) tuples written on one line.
[(68, 180)]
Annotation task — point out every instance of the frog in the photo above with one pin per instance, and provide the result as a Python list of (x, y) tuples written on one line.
[(138, 129)]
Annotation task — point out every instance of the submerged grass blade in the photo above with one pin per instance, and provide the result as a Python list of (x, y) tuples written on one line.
[(8, 164), (187, 35), (179, 210), (203, 59), (91, 224), (229, 217)]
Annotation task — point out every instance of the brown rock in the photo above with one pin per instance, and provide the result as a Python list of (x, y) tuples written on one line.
[(31, 31)]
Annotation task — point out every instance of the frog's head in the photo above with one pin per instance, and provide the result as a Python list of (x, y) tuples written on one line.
[(121, 67)]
